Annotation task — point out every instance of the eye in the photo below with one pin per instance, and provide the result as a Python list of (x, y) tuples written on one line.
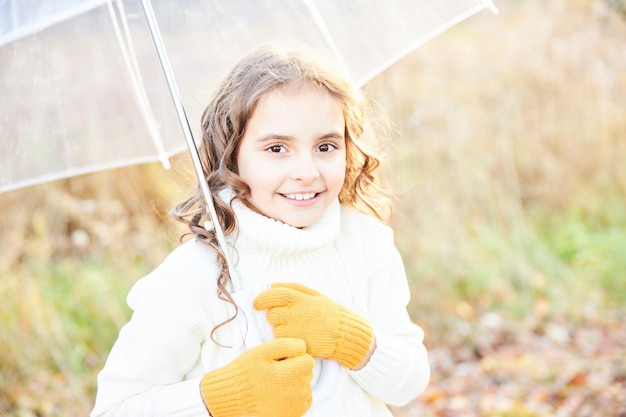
[(276, 149), (326, 147)]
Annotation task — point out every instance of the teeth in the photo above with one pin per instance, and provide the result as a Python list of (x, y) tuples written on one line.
[(306, 196)]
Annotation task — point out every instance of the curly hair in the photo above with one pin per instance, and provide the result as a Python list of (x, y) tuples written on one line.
[(224, 121)]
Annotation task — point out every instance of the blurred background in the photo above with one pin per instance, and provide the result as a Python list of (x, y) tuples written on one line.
[(510, 182)]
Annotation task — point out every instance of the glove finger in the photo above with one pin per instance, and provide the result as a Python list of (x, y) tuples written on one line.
[(282, 331), (299, 371), (275, 297), (277, 316), (281, 348), (295, 286), (300, 365)]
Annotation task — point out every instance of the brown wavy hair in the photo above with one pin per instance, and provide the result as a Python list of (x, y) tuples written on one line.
[(224, 121)]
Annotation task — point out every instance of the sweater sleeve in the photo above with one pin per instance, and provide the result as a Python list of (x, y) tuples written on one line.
[(145, 373), (398, 370)]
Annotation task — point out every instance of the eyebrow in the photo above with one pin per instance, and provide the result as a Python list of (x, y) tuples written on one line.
[(286, 138)]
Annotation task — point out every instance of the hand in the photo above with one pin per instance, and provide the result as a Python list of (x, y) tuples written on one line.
[(271, 379), (331, 331)]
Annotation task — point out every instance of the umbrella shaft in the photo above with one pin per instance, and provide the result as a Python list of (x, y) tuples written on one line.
[(193, 150)]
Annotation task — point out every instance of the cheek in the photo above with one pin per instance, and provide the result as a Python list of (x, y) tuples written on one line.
[(339, 175), (261, 180), (247, 168), (340, 183)]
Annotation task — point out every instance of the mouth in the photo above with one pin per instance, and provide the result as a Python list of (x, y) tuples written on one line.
[(300, 196)]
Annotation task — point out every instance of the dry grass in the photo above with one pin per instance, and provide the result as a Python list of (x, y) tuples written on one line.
[(511, 192), (510, 167)]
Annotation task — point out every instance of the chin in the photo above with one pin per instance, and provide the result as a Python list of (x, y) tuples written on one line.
[(301, 224)]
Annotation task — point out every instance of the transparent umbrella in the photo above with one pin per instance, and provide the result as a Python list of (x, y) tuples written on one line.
[(82, 86), (89, 85)]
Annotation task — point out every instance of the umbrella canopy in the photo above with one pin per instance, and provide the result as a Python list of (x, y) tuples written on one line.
[(83, 89)]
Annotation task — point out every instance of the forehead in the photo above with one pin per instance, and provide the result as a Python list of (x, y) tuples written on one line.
[(297, 88), (285, 103), (297, 91)]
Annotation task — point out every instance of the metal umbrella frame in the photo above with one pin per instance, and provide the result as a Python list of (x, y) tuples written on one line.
[(187, 131), (77, 74), (325, 382)]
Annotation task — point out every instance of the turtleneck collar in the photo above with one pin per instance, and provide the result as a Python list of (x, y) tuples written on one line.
[(256, 232)]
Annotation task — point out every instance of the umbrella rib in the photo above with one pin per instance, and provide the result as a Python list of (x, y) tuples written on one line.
[(321, 25), (130, 61), (489, 4), (486, 4), (21, 31)]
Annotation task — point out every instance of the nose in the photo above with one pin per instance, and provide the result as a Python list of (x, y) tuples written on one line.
[(305, 169)]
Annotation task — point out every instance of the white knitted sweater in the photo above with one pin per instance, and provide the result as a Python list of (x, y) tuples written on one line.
[(156, 364)]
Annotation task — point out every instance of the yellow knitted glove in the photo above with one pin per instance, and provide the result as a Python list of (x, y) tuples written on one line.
[(271, 379), (331, 331)]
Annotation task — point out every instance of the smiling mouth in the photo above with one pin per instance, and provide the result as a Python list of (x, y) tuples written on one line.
[(301, 197)]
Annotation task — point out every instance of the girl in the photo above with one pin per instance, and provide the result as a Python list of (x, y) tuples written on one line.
[(285, 143)]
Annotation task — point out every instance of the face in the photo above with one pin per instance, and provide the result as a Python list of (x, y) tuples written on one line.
[(293, 154)]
